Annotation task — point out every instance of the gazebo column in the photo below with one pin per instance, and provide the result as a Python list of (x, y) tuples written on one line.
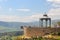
[(46, 23), (50, 23), (41, 23)]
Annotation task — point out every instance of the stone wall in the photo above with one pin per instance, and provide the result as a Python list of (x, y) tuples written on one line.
[(37, 31)]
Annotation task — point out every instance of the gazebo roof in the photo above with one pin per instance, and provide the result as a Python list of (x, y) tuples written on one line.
[(45, 16)]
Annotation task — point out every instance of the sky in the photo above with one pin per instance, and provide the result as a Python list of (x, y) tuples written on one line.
[(28, 10)]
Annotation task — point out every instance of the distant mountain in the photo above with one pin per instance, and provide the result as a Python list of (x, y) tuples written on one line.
[(15, 26), (12, 24), (18, 24)]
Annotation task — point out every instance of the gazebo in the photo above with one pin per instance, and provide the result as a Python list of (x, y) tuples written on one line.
[(47, 21)]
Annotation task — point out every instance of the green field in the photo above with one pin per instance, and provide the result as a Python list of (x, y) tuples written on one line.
[(7, 29)]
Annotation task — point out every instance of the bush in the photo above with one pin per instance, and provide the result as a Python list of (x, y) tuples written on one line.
[(59, 34)]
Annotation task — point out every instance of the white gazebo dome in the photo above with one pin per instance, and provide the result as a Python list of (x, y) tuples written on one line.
[(45, 16)]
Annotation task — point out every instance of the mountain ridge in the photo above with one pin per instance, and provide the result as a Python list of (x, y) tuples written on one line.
[(15, 26)]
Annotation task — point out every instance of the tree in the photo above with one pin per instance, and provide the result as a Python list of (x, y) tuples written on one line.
[(58, 23)]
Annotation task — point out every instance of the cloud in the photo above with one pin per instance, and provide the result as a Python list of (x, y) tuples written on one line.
[(23, 10), (56, 5), (10, 9), (31, 18), (54, 1), (1, 8), (54, 13), (9, 18)]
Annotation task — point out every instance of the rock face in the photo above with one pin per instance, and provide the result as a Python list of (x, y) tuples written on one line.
[(37, 31)]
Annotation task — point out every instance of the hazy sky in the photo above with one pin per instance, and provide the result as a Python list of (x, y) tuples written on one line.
[(28, 10)]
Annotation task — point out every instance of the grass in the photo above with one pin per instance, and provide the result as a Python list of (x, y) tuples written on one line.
[(32, 38), (2, 28), (7, 29)]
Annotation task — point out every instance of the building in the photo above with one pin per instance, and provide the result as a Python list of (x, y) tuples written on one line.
[(41, 30)]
